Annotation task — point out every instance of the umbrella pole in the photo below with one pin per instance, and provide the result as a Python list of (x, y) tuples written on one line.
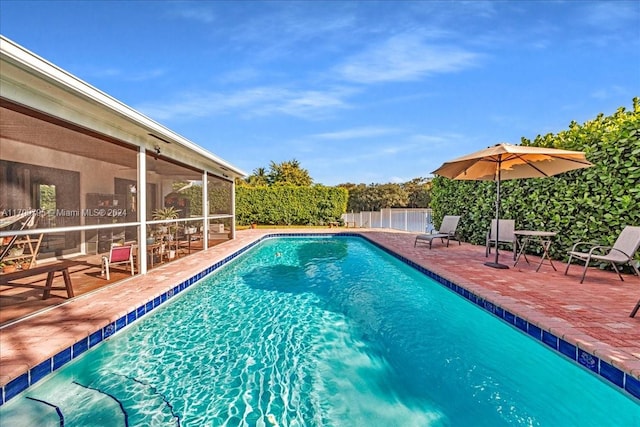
[(496, 264)]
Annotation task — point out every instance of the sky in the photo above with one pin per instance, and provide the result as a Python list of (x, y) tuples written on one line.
[(355, 91)]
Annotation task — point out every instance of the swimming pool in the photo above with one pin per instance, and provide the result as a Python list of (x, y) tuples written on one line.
[(320, 331)]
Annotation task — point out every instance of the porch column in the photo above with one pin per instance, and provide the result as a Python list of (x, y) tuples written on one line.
[(205, 209), (233, 209), (142, 210)]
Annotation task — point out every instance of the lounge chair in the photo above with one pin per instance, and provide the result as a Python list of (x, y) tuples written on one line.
[(117, 255), (446, 232), (507, 228), (620, 253)]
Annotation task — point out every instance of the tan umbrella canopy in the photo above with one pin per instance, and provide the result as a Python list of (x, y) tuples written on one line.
[(507, 161)]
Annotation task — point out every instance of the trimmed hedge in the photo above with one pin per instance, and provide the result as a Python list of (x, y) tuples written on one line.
[(592, 204), (288, 205)]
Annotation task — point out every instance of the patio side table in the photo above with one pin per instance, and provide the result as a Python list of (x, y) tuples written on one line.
[(543, 238)]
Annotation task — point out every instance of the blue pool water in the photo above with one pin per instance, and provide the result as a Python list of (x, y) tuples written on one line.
[(320, 332)]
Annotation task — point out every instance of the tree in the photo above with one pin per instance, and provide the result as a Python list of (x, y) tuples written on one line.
[(288, 173), (258, 178), (415, 194), (390, 196), (374, 197), (419, 190)]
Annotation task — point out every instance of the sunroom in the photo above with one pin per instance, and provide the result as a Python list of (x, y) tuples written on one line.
[(81, 173)]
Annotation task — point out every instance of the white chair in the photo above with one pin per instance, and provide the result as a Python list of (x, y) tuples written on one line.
[(118, 255)]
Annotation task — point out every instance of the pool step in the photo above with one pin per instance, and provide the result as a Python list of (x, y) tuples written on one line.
[(144, 404), (30, 412), (76, 406), (113, 400)]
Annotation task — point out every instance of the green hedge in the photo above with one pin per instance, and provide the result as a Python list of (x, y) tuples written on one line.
[(591, 204), (287, 205)]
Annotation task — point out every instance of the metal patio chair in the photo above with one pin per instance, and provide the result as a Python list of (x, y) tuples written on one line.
[(446, 232), (507, 236), (619, 254)]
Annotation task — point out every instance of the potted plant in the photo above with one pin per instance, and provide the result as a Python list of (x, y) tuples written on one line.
[(17, 250), (166, 213), (151, 239), (252, 221)]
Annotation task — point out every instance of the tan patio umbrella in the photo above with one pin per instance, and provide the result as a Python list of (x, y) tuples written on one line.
[(507, 161)]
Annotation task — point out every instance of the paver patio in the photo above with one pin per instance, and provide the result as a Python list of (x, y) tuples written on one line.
[(593, 315)]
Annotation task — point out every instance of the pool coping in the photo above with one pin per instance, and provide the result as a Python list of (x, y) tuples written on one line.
[(565, 346)]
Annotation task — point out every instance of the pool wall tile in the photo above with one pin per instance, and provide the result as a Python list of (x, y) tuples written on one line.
[(95, 338), (61, 358), (121, 323), (107, 331), (489, 306), (535, 331), (80, 347), (549, 339), (588, 360), (632, 385), (612, 373), (16, 386), (510, 317), (131, 317), (568, 349), (40, 371), (521, 324)]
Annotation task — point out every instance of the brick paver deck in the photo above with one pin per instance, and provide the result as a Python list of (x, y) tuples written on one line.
[(593, 315)]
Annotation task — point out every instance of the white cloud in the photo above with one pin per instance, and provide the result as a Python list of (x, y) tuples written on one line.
[(608, 92), (259, 101), (355, 133), (310, 104), (193, 13), (405, 58), (611, 15)]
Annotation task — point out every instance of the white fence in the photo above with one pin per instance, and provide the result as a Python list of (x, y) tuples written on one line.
[(416, 220)]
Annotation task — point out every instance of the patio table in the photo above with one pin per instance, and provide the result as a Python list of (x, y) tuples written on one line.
[(523, 237), (191, 236)]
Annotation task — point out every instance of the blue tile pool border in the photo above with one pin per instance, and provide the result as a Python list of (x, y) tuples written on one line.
[(614, 376)]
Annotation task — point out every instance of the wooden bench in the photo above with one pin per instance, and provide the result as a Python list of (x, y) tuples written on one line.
[(51, 270)]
